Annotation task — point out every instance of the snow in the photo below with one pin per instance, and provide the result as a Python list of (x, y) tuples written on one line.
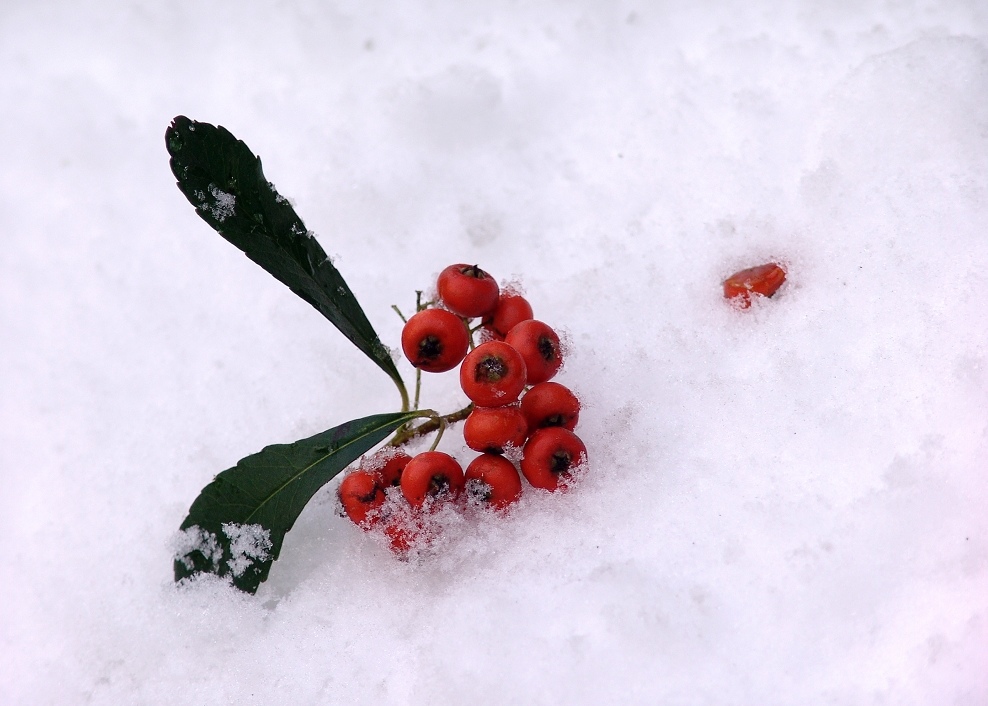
[(248, 544), (224, 204), (785, 504), (196, 539)]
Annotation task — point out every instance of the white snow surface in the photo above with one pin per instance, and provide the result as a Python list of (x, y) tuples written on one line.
[(786, 505)]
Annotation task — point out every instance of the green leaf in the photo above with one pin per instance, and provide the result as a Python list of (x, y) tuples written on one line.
[(222, 178), (238, 523)]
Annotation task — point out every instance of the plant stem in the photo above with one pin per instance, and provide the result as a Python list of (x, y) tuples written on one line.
[(398, 311), (442, 428), (406, 434), (400, 384), (418, 386)]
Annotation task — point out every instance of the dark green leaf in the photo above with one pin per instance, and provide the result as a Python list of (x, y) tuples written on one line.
[(238, 523), (222, 178)]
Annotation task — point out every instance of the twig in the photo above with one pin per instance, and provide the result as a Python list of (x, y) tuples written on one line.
[(404, 435)]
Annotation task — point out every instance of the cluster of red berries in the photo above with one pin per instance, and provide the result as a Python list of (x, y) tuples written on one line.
[(516, 358)]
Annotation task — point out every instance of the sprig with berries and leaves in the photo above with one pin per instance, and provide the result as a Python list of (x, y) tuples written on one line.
[(236, 526)]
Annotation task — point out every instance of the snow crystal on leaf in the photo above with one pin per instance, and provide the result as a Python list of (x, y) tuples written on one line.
[(279, 198), (196, 539), (248, 544), (225, 203)]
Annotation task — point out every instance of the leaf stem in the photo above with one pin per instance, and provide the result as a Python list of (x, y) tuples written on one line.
[(400, 384), (418, 386), (442, 428)]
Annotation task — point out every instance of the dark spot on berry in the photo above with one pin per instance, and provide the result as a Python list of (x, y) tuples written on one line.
[(438, 484), (479, 491), (430, 347), (560, 461), (556, 420), (474, 271), (371, 496), (547, 349), (490, 369)]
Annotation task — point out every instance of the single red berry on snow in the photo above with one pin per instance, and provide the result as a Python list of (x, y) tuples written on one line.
[(435, 340), (764, 279), (511, 310), (492, 429), (550, 455), (539, 346), (493, 374), (550, 404), (467, 290), (431, 474), (493, 481), (361, 494)]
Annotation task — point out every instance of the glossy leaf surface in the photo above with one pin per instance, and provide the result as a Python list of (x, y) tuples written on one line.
[(238, 523), (222, 178)]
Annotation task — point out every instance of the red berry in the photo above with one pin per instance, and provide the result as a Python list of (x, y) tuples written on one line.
[(467, 290), (493, 374), (400, 535), (511, 310), (550, 404), (432, 474), (550, 455), (539, 346), (493, 481), (360, 495), (406, 531), (764, 279), (435, 340), (491, 429), (388, 464)]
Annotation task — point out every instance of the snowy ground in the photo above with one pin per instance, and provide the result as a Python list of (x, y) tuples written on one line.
[(786, 506)]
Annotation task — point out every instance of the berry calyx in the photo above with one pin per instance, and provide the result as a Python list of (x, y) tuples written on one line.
[(550, 456), (763, 279), (431, 475), (435, 340), (493, 374), (492, 481), (538, 344), (550, 404), (493, 429), (511, 310), (361, 494), (467, 290)]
